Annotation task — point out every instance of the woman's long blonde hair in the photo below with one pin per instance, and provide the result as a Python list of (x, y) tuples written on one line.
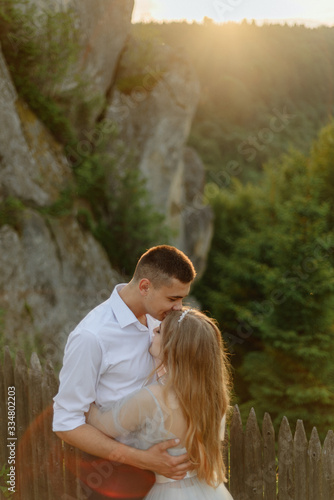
[(194, 357)]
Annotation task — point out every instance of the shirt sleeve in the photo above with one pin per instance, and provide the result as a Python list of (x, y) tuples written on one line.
[(78, 380)]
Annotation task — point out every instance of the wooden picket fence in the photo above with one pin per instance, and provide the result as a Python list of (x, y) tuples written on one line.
[(48, 469)]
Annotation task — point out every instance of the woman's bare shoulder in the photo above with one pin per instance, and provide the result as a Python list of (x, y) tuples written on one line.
[(165, 399), (156, 389)]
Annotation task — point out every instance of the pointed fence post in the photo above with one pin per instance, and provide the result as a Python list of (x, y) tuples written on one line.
[(8, 371), (53, 456), (253, 459), (38, 476), (3, 414), (237, 474), (300, 446), (269, 459), (72, 458), (328, 467), (21, 384), (24, 451), (315, 465), (9, 444), (285, 462)]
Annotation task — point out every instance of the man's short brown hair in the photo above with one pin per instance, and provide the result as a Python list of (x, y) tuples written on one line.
[(162, 263)]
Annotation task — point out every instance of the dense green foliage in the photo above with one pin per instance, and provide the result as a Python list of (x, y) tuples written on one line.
[(270, 284), (263, 90)]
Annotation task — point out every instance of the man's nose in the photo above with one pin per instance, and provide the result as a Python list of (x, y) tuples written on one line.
[(177, 305)]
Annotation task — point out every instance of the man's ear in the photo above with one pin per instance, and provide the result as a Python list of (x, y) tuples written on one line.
[(144, 286)]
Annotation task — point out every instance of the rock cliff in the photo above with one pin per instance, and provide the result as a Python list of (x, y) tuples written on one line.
[(52, 270), (154, 119), (32, 166), (104, 28)]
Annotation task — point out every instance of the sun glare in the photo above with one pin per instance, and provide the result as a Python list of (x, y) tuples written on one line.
[(195, 10), (222, 11)]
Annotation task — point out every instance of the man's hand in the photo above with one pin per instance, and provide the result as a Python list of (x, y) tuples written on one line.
[(158, 460)]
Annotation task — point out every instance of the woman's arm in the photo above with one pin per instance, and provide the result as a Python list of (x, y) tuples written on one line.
[(103, 421)]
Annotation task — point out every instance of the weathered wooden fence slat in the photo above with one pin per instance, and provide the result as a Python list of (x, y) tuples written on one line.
[(48, 469), (36, 425), (315, 466), (253, 459), (328, 466), (269, 459), (8, 370), (237, 479), (285, 462), (22, 423), (300, 446), (72, 472), (3, 415), (54, 458)]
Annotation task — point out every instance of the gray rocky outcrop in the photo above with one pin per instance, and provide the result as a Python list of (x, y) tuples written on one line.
[(52, 271), (197, 216), (154, 121), (52, 274), (103, 28), (33, 167)]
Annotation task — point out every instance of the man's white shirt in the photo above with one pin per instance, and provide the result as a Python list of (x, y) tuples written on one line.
[(106, 357)]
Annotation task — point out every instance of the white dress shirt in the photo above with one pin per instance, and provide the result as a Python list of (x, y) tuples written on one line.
[(106, 358)]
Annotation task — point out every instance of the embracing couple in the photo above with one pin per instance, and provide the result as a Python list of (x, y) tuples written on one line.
[(145, 387)]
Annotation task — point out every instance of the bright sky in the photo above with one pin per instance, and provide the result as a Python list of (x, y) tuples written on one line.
[(310, 12)]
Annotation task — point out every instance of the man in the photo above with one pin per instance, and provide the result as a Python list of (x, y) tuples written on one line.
[(106, 358)]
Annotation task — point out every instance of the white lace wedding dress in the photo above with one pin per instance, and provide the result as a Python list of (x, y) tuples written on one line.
[(141, 420)]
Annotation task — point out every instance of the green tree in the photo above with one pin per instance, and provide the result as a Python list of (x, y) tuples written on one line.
[(270, 284)]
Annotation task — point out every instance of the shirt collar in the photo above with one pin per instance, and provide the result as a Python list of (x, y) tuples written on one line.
[(123, 313)]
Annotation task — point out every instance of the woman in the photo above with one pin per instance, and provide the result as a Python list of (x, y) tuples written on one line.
[(189, 401)]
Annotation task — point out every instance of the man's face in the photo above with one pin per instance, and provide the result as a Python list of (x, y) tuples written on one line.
[(160, 301)]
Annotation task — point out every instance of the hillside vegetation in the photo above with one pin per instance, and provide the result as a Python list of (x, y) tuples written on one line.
[(264, 90)]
